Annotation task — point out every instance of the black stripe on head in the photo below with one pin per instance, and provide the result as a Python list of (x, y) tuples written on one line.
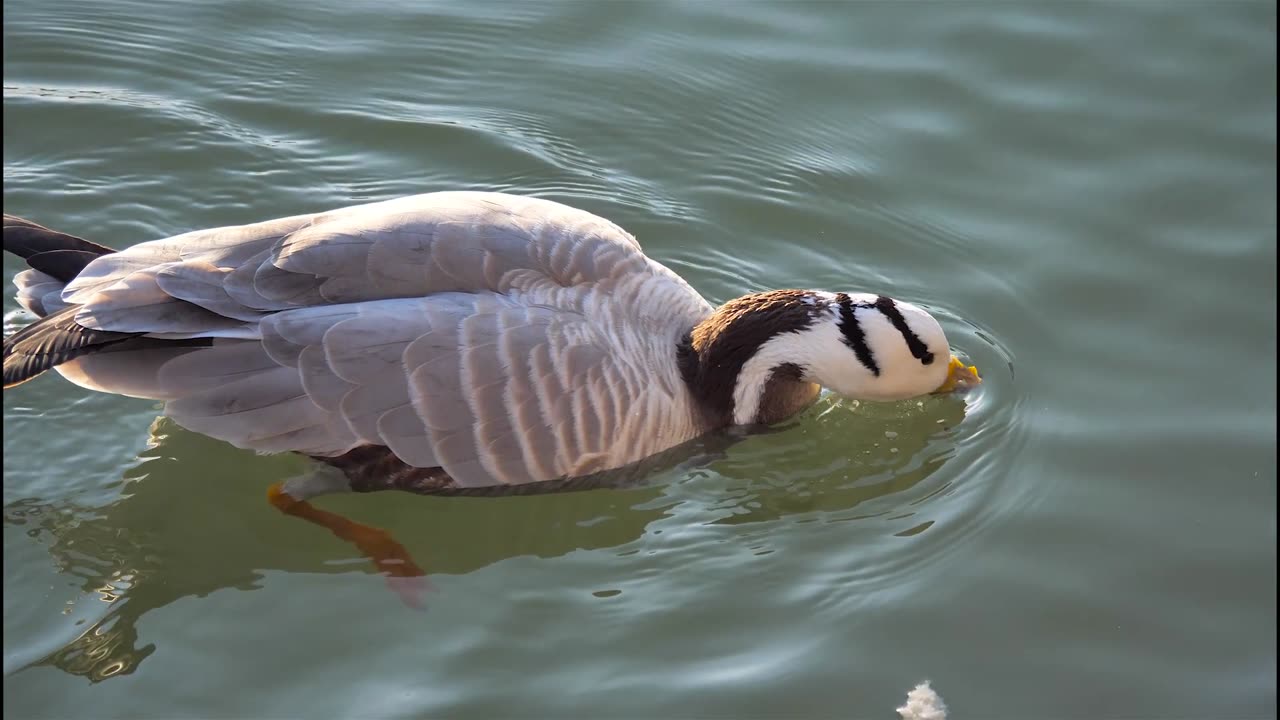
[(853, 335), (917, 347)]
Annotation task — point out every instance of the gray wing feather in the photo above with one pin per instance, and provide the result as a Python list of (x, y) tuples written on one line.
[(239, 283), (470, 331), (403, 431), (224, 247), (256, 406), (318, 379), (365, 404), (209, 368), (201, 283), (137, 303), (38, 292), (411, 247)]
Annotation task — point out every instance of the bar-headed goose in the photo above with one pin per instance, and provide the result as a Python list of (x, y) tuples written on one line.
[(448, 341)]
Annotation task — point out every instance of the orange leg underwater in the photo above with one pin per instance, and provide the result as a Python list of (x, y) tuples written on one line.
[(389, 556)]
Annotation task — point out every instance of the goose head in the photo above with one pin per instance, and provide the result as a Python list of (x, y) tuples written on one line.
[(764, 356)]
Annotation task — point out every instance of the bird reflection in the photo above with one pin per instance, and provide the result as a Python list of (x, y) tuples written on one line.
[(189, 519)]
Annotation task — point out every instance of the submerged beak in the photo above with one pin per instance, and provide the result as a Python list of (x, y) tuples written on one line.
[(959, 376)]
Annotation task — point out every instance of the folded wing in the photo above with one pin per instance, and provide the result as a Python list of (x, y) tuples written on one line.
[(220, 282), (504, 339)]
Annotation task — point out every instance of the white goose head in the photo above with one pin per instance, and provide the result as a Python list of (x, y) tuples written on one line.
[(763, 357)]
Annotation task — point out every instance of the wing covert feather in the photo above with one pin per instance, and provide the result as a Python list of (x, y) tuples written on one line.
[(505, 339)]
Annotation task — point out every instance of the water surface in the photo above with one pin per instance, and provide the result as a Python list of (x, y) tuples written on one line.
[(1084, 194)]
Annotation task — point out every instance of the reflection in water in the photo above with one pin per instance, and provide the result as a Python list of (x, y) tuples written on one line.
[(109, 564), (104, 651), (192, 518), (838, 457)]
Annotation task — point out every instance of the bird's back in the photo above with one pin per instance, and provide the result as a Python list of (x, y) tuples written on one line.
[(504, 339)]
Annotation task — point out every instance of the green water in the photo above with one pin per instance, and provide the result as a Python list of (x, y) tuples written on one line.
[(1084, 193)]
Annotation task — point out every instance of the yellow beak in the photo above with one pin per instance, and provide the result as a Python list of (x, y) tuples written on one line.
[(959, 376)]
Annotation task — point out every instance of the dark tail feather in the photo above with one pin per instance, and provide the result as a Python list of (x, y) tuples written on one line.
[(57, 338), (63, 265), (25, 239), (51, 341)]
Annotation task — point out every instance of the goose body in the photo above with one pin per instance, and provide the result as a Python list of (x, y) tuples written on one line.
[(453, 339)]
